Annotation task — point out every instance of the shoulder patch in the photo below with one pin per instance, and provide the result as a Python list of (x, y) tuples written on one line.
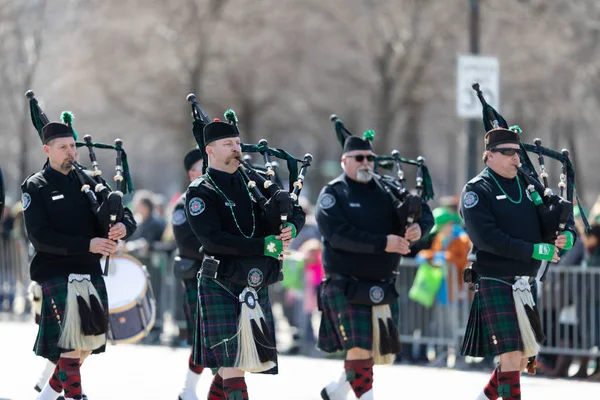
[(470, 199), (178, 217), (197, 181), (196, 206), (327, 201), (335, 181), (25, 201)]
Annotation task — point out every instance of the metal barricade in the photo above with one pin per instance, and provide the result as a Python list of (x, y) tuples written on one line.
[(569, 303), (14, 275), (442, 323)]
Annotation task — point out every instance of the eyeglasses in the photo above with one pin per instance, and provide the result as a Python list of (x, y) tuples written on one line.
[(361, 157), (509, 152)]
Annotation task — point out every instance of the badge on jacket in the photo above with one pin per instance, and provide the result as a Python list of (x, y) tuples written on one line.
[(196, 206), (470, 199)]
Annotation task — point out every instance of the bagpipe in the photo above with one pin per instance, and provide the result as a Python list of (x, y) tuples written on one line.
[(264, 183), (106, 204), (406, 203), (555, 211)]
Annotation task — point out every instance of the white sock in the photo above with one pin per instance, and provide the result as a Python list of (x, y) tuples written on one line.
[(367, 395), (191, 381), (46, 373), (339, 389), (482, 396), (48, 393)]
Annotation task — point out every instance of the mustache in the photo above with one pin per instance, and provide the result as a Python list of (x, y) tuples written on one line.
[(365, 168)]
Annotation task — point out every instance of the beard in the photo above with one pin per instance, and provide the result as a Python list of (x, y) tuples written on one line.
[(230, 159), (66, 164), (363, 174)]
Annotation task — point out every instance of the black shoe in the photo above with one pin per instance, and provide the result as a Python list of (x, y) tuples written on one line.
[(38, 389)]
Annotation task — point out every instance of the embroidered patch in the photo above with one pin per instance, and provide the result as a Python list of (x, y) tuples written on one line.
[(327, 201), (470, 199), (544, 249), (255, 277), (25, 201), (196, 206), (376, 294), (271, 247), (178, 217)]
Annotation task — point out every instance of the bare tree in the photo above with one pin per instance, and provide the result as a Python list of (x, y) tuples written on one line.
[(21, 42)]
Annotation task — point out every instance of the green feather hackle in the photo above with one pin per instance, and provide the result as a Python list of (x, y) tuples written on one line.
[(67, 118), (516, 128), (369, 135), (230, 116)]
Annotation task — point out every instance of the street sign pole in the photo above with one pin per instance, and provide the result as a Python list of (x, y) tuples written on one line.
[(472, 142)]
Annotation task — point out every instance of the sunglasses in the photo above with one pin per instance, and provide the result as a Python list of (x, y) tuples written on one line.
[(507, 151), (360, 157)]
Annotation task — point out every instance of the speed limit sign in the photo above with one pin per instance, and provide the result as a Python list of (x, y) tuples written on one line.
[(480, 69)]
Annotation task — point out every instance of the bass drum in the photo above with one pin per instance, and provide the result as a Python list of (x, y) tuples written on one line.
[(131, 303)]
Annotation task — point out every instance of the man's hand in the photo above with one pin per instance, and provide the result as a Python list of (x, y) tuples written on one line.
[(117, 232), (102, 246), (555, 258), (545, 252), (561, 241), (413, 232), (287, 234), (397, 244), (565, 240)]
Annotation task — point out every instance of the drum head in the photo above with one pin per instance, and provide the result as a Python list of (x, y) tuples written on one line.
[(126, 281)]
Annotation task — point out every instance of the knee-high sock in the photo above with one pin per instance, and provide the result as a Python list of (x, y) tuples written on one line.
[(509, 385), (216, 391), (360, 375), (235, 389), (70, 377), (490, 391)]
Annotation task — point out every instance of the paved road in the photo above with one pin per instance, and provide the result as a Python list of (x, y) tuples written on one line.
[(154, 372)]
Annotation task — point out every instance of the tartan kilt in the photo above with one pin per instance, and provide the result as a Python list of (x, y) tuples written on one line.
[(190, 306), (215, 343), (54, 296), (344, 325), (493, 328)]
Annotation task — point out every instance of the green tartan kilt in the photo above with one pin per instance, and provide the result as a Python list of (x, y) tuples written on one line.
[(54, 295), (343, 325), (190, 306), (493, 328), (215, 342)]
